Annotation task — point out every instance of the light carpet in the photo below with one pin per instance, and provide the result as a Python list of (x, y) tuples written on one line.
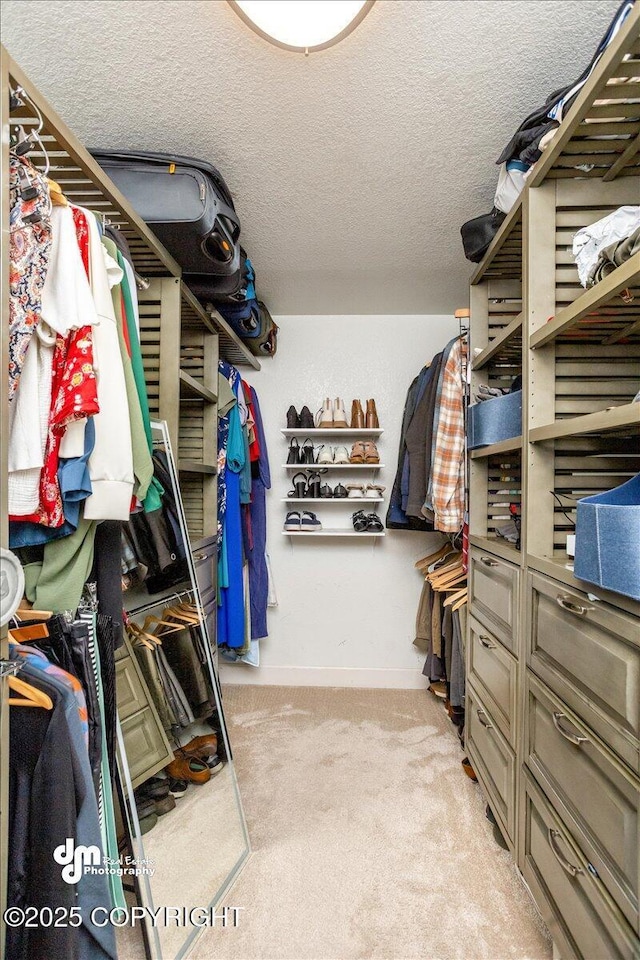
[(368, 839)]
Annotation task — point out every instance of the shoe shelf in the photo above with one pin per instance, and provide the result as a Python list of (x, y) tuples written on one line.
[(333, 466), (504, 446), (331, 432), (330, 500), (615, 418), (332, 533)]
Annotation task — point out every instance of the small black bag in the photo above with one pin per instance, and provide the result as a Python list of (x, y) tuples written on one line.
[(187, 204), (478, 233), (265, 342)]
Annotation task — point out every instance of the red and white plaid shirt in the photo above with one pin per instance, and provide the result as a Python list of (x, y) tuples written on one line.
[(447, 467)]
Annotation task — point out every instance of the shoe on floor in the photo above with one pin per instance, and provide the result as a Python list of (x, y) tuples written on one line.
[(439, 688), (293, 521), (341, 455), (324, 416), (293, 419), (207, 744), (310, 522), (339, 415), (147, 823), (188, 768), (166, 805), (468, 769), (177, 788), (155, 789)]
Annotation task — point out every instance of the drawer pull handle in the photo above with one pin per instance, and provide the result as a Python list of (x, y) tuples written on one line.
[(572, 605), (486, 642), (200, 556), (569, 868), (485, 723), (574, 738), (489, 561)]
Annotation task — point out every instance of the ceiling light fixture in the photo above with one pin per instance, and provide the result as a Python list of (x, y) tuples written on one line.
[(302, 25)]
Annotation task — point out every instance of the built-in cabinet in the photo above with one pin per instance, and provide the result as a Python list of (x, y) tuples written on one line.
[(553, 663)]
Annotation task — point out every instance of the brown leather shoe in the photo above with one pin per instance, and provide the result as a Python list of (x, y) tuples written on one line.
[(357, 416), (208, 743), (372, 422), (188, 768)]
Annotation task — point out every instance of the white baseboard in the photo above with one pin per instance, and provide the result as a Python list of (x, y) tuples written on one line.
[(398, 679)]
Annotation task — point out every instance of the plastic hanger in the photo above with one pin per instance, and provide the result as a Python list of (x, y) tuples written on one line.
[(31, 696)]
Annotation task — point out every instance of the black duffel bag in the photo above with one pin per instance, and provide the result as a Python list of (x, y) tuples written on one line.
[(478, 233), (186, 203)]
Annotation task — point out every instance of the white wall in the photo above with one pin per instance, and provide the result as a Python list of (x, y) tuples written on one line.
[(346, 609)]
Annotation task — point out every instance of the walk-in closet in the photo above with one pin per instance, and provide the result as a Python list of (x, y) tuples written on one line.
[(320, 480)]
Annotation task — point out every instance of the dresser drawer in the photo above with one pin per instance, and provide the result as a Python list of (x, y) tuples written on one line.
[(205, 559), (598, 800), (582, 922), (493, 761), (494, 595), (493, 672), (585, 651)]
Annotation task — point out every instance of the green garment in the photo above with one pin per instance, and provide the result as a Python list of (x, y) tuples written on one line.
[(142, 462), (153, 499), (56, 582), (226, 396)]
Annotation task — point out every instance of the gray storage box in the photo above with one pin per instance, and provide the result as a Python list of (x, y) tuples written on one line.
[(494, 420), (608, 539)]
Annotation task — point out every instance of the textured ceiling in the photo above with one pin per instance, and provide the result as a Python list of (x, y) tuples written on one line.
[(352, 168)]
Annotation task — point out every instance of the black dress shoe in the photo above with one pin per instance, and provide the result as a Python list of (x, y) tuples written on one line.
[(306, 419), (293, 420)]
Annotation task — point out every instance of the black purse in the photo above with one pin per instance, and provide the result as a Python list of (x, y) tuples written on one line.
[(478, 233)]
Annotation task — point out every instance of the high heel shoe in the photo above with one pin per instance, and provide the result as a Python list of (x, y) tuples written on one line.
[(294, 452), (306, 419), (299, 486), (307, 454), (314, 486), (371, 420), (324, 416)]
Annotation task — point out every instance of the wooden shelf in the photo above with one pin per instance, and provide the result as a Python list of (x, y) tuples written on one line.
[(332, 533), (331, 432), (498, 343), (194, 466), (498, 546), (503, 259), (505, 446), (231, 346), (193, 389), (626, 275), (616, 418), (333, 466), (330, 500)]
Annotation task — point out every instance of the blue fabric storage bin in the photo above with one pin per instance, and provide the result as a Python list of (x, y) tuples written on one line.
[(494, 420), (608, 539)]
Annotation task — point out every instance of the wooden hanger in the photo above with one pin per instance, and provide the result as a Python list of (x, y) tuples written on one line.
[(141, 637), (182, 616), (36, 631), (31, 696), (450, 582), (425, 561), (152, 620), (28, 613), (461, 602), (457, 595)]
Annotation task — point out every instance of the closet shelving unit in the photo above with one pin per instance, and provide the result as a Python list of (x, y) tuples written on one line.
[(333, 435), (180, 344), (553, 662)]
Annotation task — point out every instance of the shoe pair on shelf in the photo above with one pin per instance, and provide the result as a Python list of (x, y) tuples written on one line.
[(306, 521), (332, 415), (327, 454), (367, 522), (365, 491), (299, 421), (301, 452), (309, 487), (364, 451), (361, 420)]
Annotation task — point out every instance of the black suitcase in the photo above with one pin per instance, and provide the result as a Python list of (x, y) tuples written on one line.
[(187, 204)]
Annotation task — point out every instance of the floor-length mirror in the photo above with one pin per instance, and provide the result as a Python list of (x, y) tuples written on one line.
[(182, 805)]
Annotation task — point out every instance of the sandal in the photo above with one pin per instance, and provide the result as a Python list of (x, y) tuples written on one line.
[(307, 454), (294, 452), (371, 452), (374, 523), (299, 486), (293, 520), (310, 522), (360, 521), (358, 453), (313, 486)]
